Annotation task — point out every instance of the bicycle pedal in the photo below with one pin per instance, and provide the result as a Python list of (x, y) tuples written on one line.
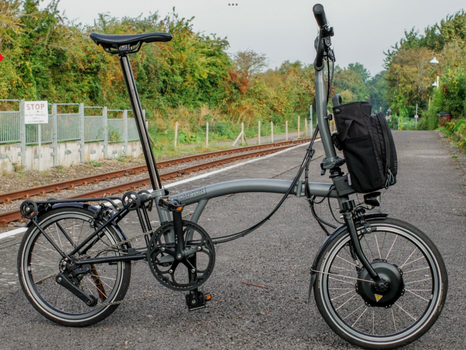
[(197, 300)]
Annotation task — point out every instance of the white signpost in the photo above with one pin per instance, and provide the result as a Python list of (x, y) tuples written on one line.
[(37, 112)]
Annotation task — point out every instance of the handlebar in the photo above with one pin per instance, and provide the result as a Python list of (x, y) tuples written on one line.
[(322, 42), (319, 14), (323, 45)]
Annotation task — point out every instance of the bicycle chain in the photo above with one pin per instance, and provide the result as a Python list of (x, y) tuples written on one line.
[(117, 245)]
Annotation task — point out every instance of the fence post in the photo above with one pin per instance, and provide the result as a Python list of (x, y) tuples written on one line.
[(286, 130), (305, 128), (271, 131), (105, 127), (242, 134), (81, 131), (54, 145), (207, 135), (176, 132), (125, 131), (22, 133), (299, 124), (259, 132), (310, 118), (39, 138)]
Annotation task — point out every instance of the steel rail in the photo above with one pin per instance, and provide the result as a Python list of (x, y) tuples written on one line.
[(15, 215), (58, 186)]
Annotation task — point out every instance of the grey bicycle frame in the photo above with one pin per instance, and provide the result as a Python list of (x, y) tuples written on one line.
[(338, 189)]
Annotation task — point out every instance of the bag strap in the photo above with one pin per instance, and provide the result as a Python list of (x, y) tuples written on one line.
[(385, 133)]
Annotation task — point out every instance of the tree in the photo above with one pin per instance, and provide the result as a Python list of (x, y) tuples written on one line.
[(378, 91), (409, 77), (350, 82), (249, 62)]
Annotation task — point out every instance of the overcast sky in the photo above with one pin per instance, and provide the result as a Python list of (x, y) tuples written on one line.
[(285, 29)]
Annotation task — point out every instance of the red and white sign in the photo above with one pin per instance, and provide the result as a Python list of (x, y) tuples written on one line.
[(1, 57), (36, 112)]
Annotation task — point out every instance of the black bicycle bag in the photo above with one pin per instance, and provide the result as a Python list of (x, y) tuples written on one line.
[(368, 146)]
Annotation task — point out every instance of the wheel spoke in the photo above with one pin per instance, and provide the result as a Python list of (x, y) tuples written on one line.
[(343, 268), (377, 244), (44, 278), (99, 287), (394, 322), (406, 312), (409, 257), (346, 302), (412, 262), (353, 312), (349, 262), (63, 231), (416, 270), (47, 248), (341, 295), (354, 324), (393, 244), (417, 295), (44, 259), (419, 281)]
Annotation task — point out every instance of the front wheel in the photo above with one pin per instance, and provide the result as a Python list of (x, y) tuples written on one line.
[(387, 315)]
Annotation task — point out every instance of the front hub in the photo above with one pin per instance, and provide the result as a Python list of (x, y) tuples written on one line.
[(386, 291)]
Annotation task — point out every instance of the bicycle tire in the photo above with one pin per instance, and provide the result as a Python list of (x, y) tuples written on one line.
[(398, 246), (38, 264)]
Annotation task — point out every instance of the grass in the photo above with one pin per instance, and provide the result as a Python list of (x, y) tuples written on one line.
[(221, 136), (45, 174), (171, 152), (95, 163)]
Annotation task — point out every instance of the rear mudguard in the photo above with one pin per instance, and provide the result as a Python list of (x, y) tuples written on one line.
[(330, 239), (95, 210)]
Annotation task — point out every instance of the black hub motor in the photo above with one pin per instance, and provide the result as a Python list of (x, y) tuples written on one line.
[(386, 291)]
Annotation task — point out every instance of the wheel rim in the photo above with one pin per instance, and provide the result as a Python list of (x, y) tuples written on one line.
[(409, 313), (40, 265)]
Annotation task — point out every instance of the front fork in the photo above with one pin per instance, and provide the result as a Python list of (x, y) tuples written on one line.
[(348, 215)]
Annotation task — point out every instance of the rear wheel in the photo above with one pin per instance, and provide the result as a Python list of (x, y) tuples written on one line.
[(396, 312), (39, 263)]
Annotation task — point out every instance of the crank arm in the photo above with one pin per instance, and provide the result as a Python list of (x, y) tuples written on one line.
[(178, 226), (62, 280)]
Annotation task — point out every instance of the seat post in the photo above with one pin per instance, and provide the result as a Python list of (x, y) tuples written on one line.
[(140, 124)]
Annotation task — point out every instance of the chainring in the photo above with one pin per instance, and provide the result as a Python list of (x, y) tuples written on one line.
[(192, 268)]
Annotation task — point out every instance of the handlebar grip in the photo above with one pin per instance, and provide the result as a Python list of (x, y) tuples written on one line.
[(319, 14)]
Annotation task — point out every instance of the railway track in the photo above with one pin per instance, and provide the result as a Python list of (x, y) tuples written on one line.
[(253, 151)]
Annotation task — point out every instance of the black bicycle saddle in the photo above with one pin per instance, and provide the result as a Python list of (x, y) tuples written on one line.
[(112, 42)]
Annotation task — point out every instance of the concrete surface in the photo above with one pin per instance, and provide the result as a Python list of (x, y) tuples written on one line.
[(430, 194)]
